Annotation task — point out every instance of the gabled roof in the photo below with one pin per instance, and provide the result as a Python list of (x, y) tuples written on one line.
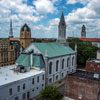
[(38, 61), (25, 60), (20, 58), (25, 27), (54, 49)]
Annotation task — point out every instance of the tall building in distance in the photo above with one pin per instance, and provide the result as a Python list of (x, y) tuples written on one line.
[(62, 30), (83, 32), (25, 36), (9, 51), (11, 30)]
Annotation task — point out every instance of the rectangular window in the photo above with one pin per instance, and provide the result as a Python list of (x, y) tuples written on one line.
[(38, 79), (10, 91), (24, 86), (18, 88)]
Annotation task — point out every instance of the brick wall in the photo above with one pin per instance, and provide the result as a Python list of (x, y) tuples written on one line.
[(93, 67), (78, 86)]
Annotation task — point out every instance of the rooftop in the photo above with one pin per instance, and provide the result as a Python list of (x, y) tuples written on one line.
[(7, 74), (54, 49), (86, 75), (90, 39), (25, 60), (94, 60)]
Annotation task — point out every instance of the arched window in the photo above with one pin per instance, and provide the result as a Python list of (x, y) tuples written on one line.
[(50, 68), (57, 62), (68, 61), (63, 64), (72, 61)]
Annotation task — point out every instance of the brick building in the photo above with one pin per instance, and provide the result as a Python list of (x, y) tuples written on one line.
[(9, 51), (93, 65), (83, 85)]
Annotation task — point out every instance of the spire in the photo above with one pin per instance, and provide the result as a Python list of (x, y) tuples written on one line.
[(62, 30), (11, 30), (62, 19)]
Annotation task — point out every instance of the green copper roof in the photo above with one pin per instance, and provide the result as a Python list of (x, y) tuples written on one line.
[(54, 49), (38, 61), (24, 60), (20, 58)]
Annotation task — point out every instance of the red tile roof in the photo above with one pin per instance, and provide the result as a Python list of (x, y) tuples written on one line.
[(90, 39)]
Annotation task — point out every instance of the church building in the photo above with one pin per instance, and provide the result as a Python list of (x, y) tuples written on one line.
[(59, 58)]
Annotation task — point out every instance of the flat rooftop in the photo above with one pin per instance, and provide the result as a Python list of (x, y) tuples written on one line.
[(86, 75), (94, 60), (8, 75)]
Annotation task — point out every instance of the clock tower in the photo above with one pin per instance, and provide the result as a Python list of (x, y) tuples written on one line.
[(25, 36)]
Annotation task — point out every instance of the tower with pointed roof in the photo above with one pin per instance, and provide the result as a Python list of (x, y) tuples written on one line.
[(11, 30), (62, 30), (83, 32), (25, 36)]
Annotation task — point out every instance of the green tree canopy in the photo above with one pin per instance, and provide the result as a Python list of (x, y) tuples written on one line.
[(51, 93), (85, 50)]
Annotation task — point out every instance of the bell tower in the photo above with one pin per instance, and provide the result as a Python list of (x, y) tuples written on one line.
[(62, 30), (83, 32), (25, 36)]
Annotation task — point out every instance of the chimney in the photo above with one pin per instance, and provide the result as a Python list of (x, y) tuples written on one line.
[(75, 47), (46, 53), (31, 58)]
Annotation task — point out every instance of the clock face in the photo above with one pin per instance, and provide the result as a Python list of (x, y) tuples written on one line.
[(25, 28)]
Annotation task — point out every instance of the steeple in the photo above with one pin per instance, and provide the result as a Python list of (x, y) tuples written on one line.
[(62, 19), (62, 30), (11, 30)]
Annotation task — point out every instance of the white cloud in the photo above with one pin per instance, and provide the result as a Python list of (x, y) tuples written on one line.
[(77, 1), (87, 15), (45, 6)]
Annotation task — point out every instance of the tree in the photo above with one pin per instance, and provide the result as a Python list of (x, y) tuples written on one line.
[(85, 50), (50, 93)]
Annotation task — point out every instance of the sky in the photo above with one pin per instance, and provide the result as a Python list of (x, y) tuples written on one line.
[(43, 16)]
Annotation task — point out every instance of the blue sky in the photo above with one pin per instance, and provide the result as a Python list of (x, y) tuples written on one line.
[(43, 16)]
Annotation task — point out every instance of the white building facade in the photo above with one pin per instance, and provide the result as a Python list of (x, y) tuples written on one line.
[(59, 60), (22, 85)]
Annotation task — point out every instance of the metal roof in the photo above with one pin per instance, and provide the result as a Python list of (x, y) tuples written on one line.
[(25, 60), (20, 58), (54, 49)]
